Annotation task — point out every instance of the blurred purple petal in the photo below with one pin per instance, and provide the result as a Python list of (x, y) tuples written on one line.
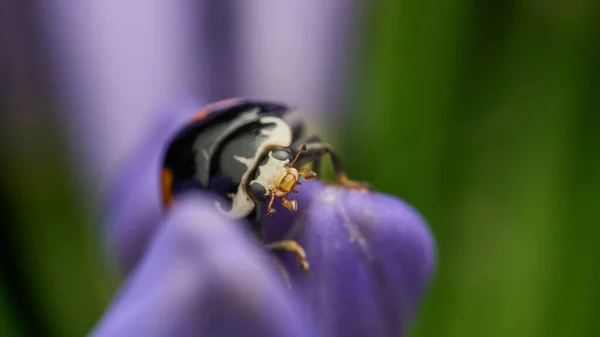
[(300, 51), (134, 207), (114, 63), (202, 276), (372, 257)]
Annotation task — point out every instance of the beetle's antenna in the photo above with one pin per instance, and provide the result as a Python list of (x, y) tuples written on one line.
[(297, 156)]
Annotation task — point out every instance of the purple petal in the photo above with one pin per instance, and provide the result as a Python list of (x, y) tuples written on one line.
[(202, 276), (134, 207), (371, 255), (113, 63)]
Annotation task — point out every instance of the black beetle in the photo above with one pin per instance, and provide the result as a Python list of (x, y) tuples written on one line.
[(244, 151)]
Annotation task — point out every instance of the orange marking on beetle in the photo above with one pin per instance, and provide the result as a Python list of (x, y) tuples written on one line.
[(167, 184), (202, 113)]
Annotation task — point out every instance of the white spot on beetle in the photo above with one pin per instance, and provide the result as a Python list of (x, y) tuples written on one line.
[(249, 162), (270, 172), (280, 135)]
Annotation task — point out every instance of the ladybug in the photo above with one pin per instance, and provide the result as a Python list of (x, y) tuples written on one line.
[(245, 152)]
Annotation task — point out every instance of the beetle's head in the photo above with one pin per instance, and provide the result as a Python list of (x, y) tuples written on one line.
[(276, 176)]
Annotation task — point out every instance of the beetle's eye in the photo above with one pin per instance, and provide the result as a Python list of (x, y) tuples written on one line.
[(282, 154), (258, 191)]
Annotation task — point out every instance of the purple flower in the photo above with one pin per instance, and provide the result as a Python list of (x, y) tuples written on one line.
[(192, 272), (371, 257), (201, 276)]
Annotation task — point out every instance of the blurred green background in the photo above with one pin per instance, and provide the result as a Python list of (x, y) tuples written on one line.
[(483, 115)]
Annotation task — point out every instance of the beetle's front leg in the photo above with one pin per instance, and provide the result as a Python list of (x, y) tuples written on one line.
[(307, 174), (270, 209), (292, 205), (314, 152), (294, 247)]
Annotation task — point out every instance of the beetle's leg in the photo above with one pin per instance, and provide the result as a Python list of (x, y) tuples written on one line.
[(270, 209), (307, 174), (294, 247), (316, 165), (315, 151), (298, 131), (292, 205)]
